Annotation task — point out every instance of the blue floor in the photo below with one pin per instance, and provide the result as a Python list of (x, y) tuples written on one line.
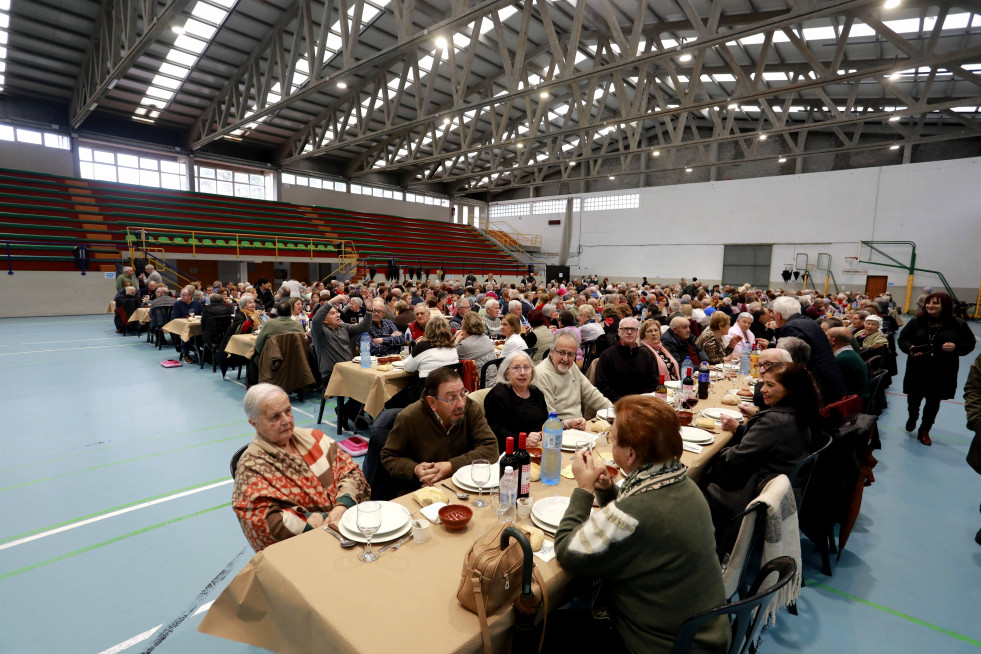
[(116, 522)]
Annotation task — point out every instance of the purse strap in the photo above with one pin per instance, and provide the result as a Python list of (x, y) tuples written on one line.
[(481, 610)]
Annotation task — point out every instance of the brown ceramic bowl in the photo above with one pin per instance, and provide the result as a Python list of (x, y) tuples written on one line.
[(455, 516), (684, 417), (612, 471), (536, 454)]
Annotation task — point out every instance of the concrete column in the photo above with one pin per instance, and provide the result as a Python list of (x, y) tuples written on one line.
[(566, 233)]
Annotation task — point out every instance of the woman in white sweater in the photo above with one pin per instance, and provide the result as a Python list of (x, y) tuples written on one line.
[(434, 350)]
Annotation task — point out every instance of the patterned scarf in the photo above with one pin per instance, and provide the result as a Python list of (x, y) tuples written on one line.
[(653, 476)]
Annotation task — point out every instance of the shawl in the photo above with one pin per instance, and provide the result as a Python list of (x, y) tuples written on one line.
[(653, 476), (666, 365), (276, 492)]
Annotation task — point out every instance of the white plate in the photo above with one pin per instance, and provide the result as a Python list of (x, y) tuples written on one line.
[(697, 436), (378, 537), (398, 364), (674, 384), (394, 517), (548, 529), (549, 510), (572, 436), (463, 479), (605, 414), (358, 359), (716, 413)]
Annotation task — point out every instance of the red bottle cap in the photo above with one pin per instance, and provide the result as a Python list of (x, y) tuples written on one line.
[(509, 445)]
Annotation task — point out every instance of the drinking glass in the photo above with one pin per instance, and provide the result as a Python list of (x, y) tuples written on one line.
[(369, 520), (524, 507), (480, 474), (501, 508)]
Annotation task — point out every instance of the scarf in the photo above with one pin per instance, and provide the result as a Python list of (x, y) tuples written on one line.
[(666, 365), (652, 476)]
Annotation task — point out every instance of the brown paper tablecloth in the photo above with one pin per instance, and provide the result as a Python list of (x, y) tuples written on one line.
[(184, 328), (141, 315), (306, 594), (111, 307), (366, 385), (241, 344)]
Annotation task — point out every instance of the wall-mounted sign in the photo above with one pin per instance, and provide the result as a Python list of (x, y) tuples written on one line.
[(555, 222), (854, 271), (110, 275)]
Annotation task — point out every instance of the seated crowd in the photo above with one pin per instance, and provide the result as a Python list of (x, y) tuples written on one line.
[(575, 348)]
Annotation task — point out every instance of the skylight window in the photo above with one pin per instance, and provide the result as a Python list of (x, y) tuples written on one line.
[(4, 24)]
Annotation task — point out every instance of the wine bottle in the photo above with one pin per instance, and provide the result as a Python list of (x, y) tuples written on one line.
[(524, 466)]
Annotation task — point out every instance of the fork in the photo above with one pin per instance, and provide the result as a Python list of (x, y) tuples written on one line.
[(459, 496)]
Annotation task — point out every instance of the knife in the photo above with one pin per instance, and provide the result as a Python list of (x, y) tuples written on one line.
[(397, 544)]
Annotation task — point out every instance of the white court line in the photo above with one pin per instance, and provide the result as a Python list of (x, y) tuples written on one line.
[(77, 340), (66, 349), (112, 514), (139, 638)]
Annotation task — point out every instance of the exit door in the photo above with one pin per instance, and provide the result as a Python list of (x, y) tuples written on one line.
[(875, 285)]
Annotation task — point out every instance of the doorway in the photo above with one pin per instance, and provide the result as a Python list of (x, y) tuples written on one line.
[(876, 285)]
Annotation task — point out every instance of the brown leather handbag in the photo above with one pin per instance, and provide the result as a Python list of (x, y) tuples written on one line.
[(494, 572)]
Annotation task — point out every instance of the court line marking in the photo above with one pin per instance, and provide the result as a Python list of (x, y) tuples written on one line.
[(112, 514), (139, 638), (116, 463), (76, 340), (89, 548), (898, 614), (68, 349)]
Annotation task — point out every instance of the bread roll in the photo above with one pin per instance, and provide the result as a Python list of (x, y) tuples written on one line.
[(385, 367), (705, 423), (730, 399), (429, 495), (535, 536), (536, 472), (598, 427)]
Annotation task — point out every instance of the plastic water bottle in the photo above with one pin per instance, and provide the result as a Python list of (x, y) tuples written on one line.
[(365, 350), (687, 368), (744, 359), (509, 492), (551, 449)]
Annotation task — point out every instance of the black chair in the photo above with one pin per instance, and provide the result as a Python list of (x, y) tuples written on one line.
[(159, 317), (212, 337), (486, 367), (800, 476), (235, 457), (588, 353), (747, 615), (877, 392), (383, 487)]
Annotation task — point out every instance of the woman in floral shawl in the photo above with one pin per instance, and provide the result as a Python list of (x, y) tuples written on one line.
[(290, 480)]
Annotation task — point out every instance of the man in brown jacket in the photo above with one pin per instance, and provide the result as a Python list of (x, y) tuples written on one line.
[(440, 433)]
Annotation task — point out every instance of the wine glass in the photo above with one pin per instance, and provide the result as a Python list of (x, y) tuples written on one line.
[(369, 520), (480, 474)]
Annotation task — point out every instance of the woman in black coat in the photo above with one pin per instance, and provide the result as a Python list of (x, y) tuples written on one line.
[(514, 405), (934, 340), (771, 443)]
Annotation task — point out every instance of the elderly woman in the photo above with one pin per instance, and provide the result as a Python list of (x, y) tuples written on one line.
[(650, 543), (588, 327), (872, 335), (514, 404), (741, 333), (290, 480), (437, 348), (772, 443), (650, 337), (713, 341), (472, 341)]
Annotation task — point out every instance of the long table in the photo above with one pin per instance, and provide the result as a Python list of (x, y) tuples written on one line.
[(306, 594), (185, 328), (241, 344), (370, 386)]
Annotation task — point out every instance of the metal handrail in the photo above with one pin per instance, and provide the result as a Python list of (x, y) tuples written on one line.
[(530, 240), (343, 248), (85, 260)]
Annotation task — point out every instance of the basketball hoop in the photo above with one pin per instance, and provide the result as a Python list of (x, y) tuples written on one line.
[(850, 261)]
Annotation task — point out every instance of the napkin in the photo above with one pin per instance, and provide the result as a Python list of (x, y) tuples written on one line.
[(547, 551), (691, 447), (432, 512), (567, 472)]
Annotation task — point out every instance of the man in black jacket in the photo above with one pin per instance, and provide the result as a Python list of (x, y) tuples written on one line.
[(786, 312), (626, 369), (681, 343)]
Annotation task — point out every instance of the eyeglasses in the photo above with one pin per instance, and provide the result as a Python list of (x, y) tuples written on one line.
[(766, 365), (564, 355), (520, 368), (453, 399), (629, 329)]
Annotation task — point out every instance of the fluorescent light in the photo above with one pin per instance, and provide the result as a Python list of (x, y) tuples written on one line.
[(543, 95), (762, 137), (342, 85), (612, 177), (520, 145), (684, 58), (894, 147), (782, 160), (656, 153), (572, 164), (687, 170)]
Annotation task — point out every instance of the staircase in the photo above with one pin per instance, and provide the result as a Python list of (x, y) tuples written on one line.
[(522, 247)]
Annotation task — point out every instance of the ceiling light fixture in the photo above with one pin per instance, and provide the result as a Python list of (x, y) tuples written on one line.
[(441, 43), (894, 76), (891, 4), (446, 121), (342, 85), (894, 147), (895, 119), (733, 105), (572, 164), (762, 137), (612, 177), (177, 29), (782, 159), (543, 95), (687, 170), (656, 153), (520, 145)]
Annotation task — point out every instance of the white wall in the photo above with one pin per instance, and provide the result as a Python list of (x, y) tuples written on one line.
[(682, 230), (46, 293), (36, 158), (319, 197)]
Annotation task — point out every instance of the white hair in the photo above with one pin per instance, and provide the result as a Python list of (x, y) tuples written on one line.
[(245, 299), (514, 304), (508, 360), (491, 303), (786, 306), (744, 314), (783, 355), (257, 396)]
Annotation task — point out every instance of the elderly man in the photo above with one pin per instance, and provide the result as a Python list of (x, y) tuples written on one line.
[(150, 293), (129, 275), (680, 342), (163, 298), (789, 321), (128, 302), (626, 369), (438, 434), (281, 324), (566, 389), (354, 311), (290, 480), (333, 340), (516, 310), (385, 336), (492, 318), (150, 275), (417, 328), (462, 309), (852, 366), (183, 309)]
